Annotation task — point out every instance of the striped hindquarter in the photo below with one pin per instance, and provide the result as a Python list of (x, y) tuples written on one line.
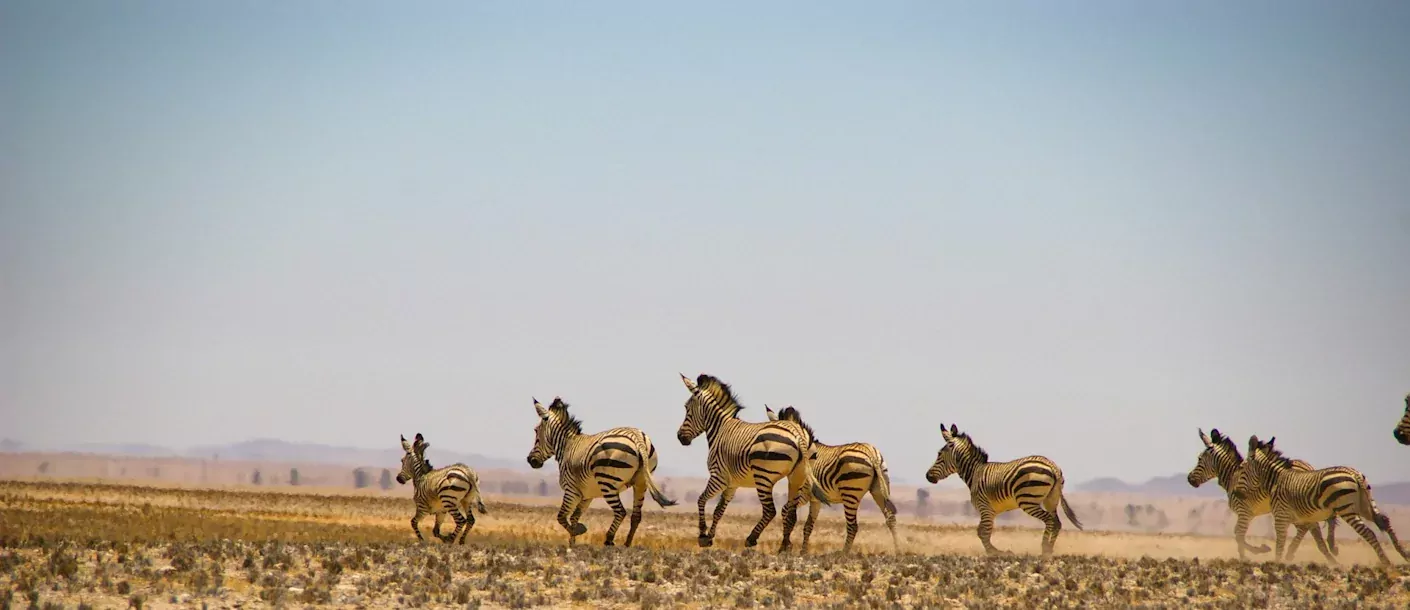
[(449, 490), (1221, 460), (1033, 484), (601, 465), (845, 474), (1402, 429), (741, 454), (1306, 497)]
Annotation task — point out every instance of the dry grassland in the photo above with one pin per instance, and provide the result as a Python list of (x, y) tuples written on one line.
[(115, 546)]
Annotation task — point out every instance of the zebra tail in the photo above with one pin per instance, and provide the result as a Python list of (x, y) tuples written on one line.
[(813, 485), (1382, 522), (881, 482), (1071, 516), (656, 493), (479, 502)]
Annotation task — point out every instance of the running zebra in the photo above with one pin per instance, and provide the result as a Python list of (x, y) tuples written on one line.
[(845, 473), (1032, 484), (1301, 498), (595, 465), (746, 454), (440, 491), (1221, 460), (1402, 430)]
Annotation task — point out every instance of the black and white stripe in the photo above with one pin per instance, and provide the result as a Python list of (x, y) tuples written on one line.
[(440, 491), (1402, 430), (595, 465), (1300, 498), (746, 454), (846, 473), (1222, 461), (1033, 484)]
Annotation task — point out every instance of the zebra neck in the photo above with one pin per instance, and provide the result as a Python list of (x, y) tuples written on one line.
[(968, 468), (719, 426), (561, 442), (1226, 475)]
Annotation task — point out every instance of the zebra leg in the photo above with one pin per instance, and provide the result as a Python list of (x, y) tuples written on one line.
[(720, 506), (1280, 535), (1369, 536), (849, 511), (1241, 536), (619, 513), (460, 521), (813, 507), (640, 501), (797, 483), (569, 519), (1332, 535), (1301, 531), (415, 523), (713, 486), (436, 531), (986, 530), (1383, 522), (1321, 544), (1051, 526), (769, 511), (889, 511)]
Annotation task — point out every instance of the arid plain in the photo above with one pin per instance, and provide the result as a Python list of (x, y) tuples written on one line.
[(163, 543)]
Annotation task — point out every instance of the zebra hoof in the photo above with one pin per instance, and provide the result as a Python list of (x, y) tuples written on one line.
[(706, 542), (1259, 550), (750, 541), (608, 543), (578, 529)]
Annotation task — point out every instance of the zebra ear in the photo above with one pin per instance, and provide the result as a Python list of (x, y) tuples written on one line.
[(543, 413), (689, 385), (1252, 444), (954, 430), (770, 412), (945, 434), (404, 444), (1205, 438)]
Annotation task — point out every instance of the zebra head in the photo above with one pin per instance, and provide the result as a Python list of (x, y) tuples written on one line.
[(959, 456), (1402, 431), (1219, 459), (555, 426), (1265, 461), (711, 402), (413, 464)]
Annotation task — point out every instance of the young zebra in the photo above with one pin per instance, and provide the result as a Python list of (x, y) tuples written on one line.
[(1402, 430), (845, 473), (1032, 484), (1221, 460), (1301, 498), (595, 465), (440, 491), (746, 454)]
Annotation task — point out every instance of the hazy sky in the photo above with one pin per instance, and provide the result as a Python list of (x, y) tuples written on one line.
[(1080, 230)]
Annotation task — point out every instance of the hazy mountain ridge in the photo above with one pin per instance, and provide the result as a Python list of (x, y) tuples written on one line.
[(275, 450), (1177, 485)]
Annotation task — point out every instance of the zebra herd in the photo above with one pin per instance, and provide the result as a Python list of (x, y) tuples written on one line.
[(743, 453)]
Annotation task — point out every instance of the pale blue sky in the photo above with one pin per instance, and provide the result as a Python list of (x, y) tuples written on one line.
[(1075, 229)]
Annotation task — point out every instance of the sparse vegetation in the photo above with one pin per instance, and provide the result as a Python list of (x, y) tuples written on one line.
[(117, 546)]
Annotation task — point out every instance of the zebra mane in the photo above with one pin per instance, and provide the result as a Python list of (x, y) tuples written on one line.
[(562, 409), (1277, 457), (712, 384), (1227, 443), (791, 414), (983, 455)]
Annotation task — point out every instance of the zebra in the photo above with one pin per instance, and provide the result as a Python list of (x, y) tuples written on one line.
[(746, 453), (1301, 498), (1032, 484), (1402, 430), (595, 465), (1221, 460), (845, 473), (439, 491)]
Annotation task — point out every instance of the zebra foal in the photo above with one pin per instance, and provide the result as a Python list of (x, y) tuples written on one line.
[(440, 491), (1221, 460), (845, 473), (746, 454), (595, 465), (1302, 497), (1032, 484)]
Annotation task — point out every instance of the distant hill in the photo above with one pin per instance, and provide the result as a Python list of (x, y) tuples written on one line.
[(274, 450), (11, 446), (1173, 485)]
